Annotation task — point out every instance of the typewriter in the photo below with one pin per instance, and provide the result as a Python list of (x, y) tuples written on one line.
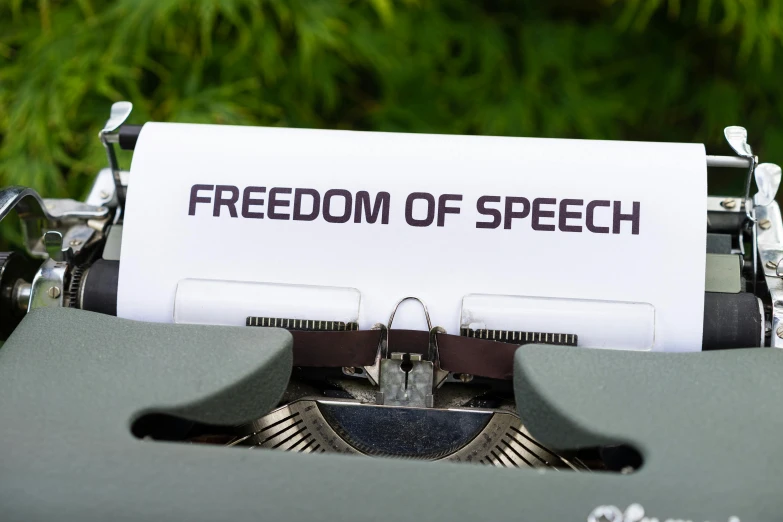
[(104, 417)]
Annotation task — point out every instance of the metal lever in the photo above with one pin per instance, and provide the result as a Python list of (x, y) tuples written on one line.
[(39, 215), (53, 243), (768, 177), (48, 285), (738, 140), (119, 113)]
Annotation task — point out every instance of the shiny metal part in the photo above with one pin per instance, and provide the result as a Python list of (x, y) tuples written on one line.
[(770, 252), (737, 137), (738, 140), (490, 437), (722, 204), (40, 215), (53, 243), (732, 162), (119, 113), (102, 192), (439, 374), (409, 298), (48, 285), (21, 294), (71, 210), (16, 274), (432, 354), (768, 177), (754, 251), (406, 381), (373, 373)]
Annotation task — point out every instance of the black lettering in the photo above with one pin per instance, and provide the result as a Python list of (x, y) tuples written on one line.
[(564, 215), (589, 216), (481, 206), (346, 215), (510, 214), (248, 200), (298, 193), (381, 206), (538, 213), (274, 203), (229, 202), (633, 217), (430, 199), (195, 198), (443, 209)]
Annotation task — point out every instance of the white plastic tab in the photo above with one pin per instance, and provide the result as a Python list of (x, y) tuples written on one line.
[(206, 301), (598, 324)]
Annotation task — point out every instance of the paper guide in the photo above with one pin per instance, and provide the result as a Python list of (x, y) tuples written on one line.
[(433, 216)]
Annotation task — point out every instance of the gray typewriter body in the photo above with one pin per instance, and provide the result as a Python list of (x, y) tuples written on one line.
[(108, 418)]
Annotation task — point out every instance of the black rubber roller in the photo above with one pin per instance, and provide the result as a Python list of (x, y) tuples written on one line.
[(128, 135), (15, 270), (732, 321), (98, 292)]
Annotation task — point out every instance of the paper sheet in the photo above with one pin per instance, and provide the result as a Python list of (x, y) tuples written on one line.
[(433, 216)]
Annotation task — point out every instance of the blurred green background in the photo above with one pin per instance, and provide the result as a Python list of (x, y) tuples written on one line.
[(637, 70)]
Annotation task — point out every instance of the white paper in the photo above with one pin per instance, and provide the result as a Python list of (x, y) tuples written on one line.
[(663, 264)]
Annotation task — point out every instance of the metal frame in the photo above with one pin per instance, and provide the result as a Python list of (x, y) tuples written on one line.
[(769, 230)]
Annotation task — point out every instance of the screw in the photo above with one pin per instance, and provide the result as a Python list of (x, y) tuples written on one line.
[(729, 203), (53, 292), (765, 224), (771, 265), (104, 194), (779, 331), (75, 242), (349, 370), (465, 377)]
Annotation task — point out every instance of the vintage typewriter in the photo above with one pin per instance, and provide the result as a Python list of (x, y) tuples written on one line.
[(106, 417)]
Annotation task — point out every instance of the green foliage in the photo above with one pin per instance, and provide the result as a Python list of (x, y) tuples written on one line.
[(639, 69)]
